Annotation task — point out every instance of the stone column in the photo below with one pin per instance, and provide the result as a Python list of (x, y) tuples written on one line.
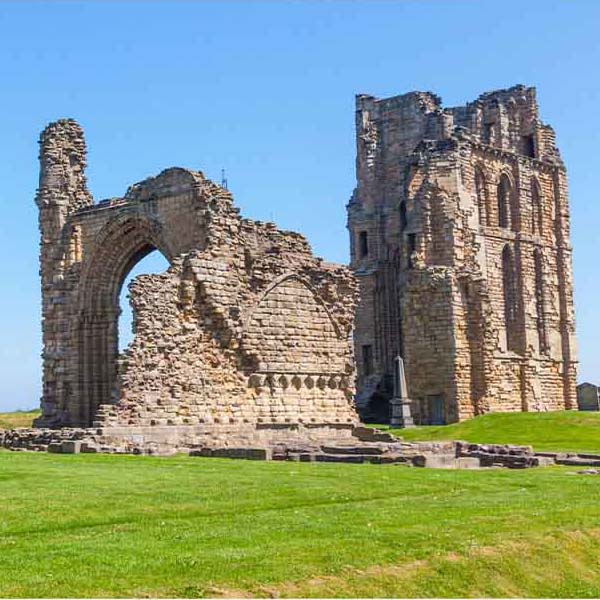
[(400, 403)]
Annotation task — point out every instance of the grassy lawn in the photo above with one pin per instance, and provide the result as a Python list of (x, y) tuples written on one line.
[(121, 526), (561, 431), (17, 419)]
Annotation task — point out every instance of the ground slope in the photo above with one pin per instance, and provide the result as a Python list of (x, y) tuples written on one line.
[(18, 419), (122, 526), (560, 431)]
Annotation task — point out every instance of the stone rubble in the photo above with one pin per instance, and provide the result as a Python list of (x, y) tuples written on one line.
[(381, 448)]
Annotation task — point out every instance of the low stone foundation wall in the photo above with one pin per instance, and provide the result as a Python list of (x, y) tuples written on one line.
[(313, 443), (170, 439)]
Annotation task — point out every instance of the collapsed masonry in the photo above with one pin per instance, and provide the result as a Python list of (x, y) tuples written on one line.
[(459, 230), (245, 331), (367, 445)]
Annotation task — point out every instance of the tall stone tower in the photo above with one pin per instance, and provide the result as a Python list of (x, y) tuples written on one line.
[(459, 233), (62, 191)]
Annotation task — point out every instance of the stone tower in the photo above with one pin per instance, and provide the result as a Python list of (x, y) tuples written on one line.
[(62, 191), (459, 234)]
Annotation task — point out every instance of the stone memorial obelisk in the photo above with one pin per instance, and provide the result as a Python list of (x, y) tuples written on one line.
[(400, 403)]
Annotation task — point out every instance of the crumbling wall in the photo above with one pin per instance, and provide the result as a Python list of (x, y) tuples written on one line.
[(245, 328)]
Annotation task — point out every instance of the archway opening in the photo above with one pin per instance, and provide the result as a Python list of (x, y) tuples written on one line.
[(152, 263), (115, 263)]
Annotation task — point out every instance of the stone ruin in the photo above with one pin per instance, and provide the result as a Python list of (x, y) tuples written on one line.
[(460, 255), (459, 229), (247, 332)]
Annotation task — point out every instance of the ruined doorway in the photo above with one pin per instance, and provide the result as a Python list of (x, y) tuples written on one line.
[(127, 244), (436, 410)]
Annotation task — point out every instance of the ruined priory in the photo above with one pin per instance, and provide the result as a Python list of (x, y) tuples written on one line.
[(460, 264), (459, 231)]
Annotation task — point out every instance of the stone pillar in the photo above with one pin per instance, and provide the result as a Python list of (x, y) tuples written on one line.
[(400, 403), (62, 190)]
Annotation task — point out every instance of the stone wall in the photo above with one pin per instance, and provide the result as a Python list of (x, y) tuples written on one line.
[(459, 235), (246, 328)]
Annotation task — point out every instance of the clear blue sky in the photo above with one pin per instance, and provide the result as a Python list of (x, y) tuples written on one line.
[(266, 90)]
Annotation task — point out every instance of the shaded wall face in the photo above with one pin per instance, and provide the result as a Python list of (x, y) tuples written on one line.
[(429, 346)]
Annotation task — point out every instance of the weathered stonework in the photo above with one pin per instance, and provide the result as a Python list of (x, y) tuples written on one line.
[(459, 230), (246, 328), (588, 396)]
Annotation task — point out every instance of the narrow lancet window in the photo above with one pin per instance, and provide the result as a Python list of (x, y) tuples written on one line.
[(403, 219), (504, 203), (363, 244), (536, 208), (539, 300), (511, 307), (480, 192)]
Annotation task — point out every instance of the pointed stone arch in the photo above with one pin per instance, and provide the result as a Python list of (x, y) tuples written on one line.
[(482, 196), (119, 246), (504, 198), (291, 330), (536, 208), (438, 233)]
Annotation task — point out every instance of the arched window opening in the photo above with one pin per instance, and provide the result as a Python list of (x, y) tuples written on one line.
[(488, 133), (511, 308), (528, 145), (152, 263), (481, 194), (504, 202), (539, 300), (536, 208), (363, 244), (403, 219)]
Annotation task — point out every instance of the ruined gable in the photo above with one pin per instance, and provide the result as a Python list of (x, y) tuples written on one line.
[(245, 328)]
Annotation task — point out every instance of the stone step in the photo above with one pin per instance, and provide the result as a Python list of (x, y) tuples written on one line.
[(365, 450), (245, 453), (577, 462), (340, 458), (370, 434), (589, 456), (381, 459), (445, 461)]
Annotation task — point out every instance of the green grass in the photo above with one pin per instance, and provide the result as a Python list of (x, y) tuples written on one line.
[(122, 526), (18, 419), (559, 431)]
